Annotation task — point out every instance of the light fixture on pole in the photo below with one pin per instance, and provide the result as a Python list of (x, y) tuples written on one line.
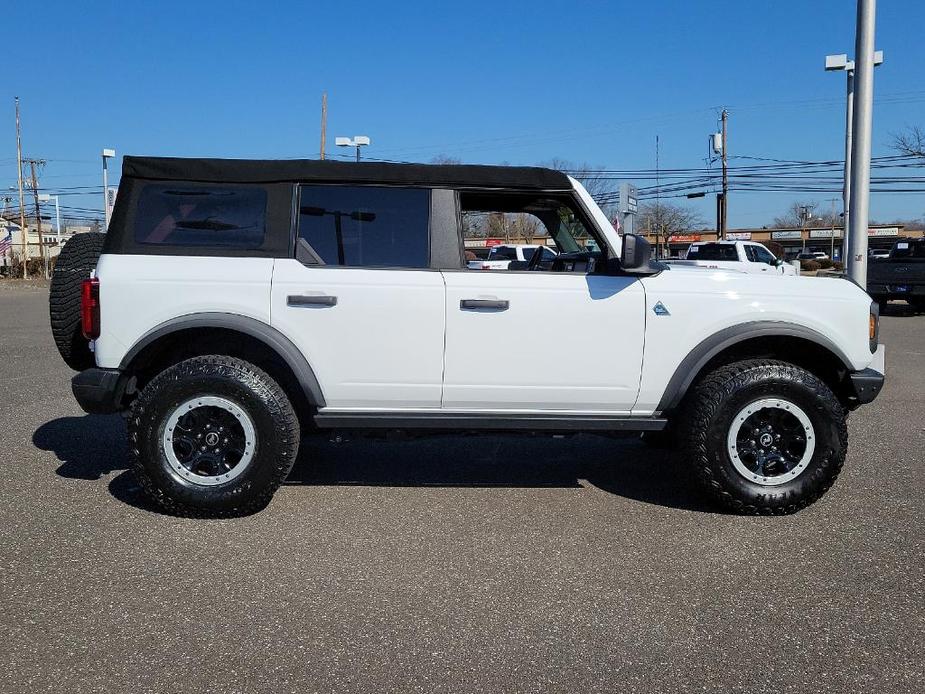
[(357, 141), (840, 63), (45, 197), (107, 155)]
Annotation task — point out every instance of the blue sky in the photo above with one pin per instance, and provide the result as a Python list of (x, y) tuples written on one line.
[(487, 82)]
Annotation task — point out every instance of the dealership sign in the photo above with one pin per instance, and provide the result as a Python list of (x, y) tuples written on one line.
[(824, 233), (739, 235), (493, 242), (685, 238), (782, 235), (885, 231)]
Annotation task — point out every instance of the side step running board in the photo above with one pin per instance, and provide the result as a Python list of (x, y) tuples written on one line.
[(470, 421)]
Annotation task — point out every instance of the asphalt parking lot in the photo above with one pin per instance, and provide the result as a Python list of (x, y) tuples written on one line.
[(502, 564)]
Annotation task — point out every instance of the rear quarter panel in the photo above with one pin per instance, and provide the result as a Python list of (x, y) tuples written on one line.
[(138, 293)]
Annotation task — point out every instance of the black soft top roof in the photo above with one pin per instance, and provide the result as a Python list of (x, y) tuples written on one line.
[(279, 170)]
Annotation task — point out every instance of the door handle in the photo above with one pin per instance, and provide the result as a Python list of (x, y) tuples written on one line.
[(298, 300), (489, 304)]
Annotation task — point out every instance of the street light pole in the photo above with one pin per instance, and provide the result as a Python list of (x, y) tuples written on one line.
[(849, 125), (841, 63), (861, 141), (357, 142)]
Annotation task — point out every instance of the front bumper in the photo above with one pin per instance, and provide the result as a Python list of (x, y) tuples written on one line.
[(867, 384), (99, 391)]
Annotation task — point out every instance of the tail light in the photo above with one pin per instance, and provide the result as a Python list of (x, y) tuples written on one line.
[(874, 326), (90, 308)]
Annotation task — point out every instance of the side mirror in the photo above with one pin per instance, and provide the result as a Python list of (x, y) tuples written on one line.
[(637, 252), (778, 262)]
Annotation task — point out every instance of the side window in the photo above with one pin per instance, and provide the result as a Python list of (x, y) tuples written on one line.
[(366, 226), (188, 214), (764, 255), (527, 221), (751, 252)]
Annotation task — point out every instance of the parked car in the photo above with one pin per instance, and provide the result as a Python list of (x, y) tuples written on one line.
[(226, 323), (812, 255), (742, 256), (901, 275), (501, 257), (878, 253)]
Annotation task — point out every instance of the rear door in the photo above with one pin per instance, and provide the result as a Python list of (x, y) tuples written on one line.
[(360, 300)]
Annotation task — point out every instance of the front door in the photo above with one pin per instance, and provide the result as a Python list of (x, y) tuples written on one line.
[(542, 341), (541, 336)]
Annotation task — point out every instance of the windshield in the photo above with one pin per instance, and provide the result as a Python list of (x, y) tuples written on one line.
[(909, 249)]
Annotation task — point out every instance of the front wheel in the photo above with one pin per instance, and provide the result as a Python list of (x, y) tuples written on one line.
[(212, 436), (766, 437)]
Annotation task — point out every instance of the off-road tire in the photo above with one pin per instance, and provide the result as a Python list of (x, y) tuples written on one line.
[(77, 259), (917, 304), (707, 417), (248, 387)]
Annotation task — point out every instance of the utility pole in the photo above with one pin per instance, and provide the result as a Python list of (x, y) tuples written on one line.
[(658, 201), (725, 117), (324, 120), (38, 213), (832, 245), (806, 213), (860, 145), (22, 204)]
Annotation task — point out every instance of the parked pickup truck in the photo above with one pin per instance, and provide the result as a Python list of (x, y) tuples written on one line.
[(901, 275), (501, 257), (741, 256), (235, 307)]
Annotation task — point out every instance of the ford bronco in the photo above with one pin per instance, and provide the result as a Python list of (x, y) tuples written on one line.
[(236, 306)]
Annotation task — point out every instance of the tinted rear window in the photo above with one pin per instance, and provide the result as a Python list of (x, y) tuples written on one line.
[(201, 215), (366, 226), (503, 253), (713, 251)]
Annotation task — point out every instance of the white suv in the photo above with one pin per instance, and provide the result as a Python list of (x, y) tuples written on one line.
[(237, 306)]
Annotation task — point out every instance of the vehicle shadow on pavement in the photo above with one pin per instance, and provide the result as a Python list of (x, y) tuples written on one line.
[(625, 467), (90, 448)]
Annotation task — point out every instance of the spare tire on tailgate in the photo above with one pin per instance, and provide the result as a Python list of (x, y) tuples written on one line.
[(77, 259)]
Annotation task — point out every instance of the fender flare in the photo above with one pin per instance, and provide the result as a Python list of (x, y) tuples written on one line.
[(697, 358), (271, 337)]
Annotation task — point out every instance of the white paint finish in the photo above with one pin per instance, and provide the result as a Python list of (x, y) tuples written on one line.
[(381, 344), (567, 342), (138, 293), (704, 303)]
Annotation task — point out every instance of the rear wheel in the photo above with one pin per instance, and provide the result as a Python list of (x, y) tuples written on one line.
[(918, 304), (766, 437), (77, 259), (212, 436)]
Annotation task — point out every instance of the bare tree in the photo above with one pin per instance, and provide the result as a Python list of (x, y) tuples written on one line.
[(598, 185), (667, 219), (911, 142), (793, 218)]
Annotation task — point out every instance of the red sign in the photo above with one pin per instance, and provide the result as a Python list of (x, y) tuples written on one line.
[(493, 242), (684, 238)]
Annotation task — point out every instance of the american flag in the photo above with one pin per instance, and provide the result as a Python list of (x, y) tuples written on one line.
[(6, 242)]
